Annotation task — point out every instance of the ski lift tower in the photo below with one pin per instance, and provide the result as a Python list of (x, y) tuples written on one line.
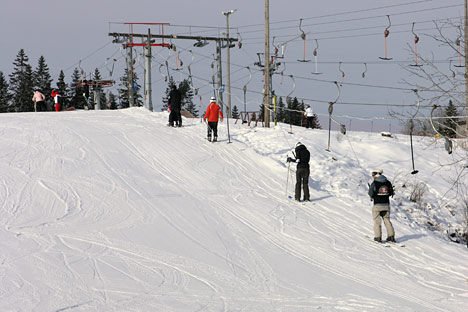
[(148, 43), (147, 52), (97, 86)]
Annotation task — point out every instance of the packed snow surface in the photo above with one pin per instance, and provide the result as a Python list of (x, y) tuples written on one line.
[(115, 211)]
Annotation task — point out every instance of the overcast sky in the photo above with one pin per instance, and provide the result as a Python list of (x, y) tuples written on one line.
[(65, 32)]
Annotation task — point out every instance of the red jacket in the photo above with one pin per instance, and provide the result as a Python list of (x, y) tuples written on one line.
[(212, 112), (54, 95)]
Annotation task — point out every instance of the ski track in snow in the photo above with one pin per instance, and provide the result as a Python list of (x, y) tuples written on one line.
[(77, 220)]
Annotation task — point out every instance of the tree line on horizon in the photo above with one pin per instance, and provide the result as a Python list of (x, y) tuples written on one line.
[(16, 92)]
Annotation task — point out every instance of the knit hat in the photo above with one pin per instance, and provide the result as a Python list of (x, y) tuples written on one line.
[(299, 144), (376, 172)]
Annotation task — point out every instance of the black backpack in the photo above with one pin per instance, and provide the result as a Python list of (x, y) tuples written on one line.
[(384, 189)]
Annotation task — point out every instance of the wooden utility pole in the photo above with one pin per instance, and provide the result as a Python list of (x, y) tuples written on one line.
[(266, 112), (466, 65)]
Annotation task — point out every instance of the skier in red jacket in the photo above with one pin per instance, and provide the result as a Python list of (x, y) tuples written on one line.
[(213, 112), (56, 95)]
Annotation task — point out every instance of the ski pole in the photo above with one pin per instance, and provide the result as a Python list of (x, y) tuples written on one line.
[(287, 179)]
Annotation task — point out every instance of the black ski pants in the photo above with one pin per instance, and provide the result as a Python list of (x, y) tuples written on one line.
[(302, 181), (174, 116), (213, 127), (309, 122)]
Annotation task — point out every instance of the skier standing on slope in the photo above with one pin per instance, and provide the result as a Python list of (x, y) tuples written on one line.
[(380, 191), (302, 171), (213, 113), (309, 115), (174, 102), (57, 99), (38, 99)]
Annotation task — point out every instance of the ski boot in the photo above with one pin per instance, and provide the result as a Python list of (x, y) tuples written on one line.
[(391, 239)]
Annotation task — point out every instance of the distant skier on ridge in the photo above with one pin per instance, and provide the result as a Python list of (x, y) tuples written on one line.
[(57, 100), (38, 100), (302, 172), (380, 191), (309, 115)]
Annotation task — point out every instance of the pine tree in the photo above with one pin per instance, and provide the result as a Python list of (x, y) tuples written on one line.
[(77, 100), (42, 79), (112, 101), (4, 95), (103, 99), (192, 108), (165, 98), (261, 113), (294, 116), (235, 112), (281, 112), (123, 91), (316, 122), (301, 107), (450, 124), (62, 88), (186, 93), (185, 88), (21, 84)]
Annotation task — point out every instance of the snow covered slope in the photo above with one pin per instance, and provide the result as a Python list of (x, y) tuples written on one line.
[(115, 211)]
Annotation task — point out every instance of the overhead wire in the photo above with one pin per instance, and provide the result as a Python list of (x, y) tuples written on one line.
[(349, 36), (343, 13), (247, 39), (358, 18), (209, 83)]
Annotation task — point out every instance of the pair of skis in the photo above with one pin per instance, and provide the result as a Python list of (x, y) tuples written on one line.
[(386, 243)]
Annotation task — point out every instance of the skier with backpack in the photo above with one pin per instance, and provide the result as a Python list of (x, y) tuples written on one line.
[(302, 172), (213, 113), (380, 191)]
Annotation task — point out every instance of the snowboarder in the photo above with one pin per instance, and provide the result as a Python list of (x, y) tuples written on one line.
[(302, 171), (309, 114), (213, 113), (174, 102), (380, 191), (38, 99), (57, 99)]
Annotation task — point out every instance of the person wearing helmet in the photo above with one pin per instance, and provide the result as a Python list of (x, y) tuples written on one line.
[(302, 172), (213, 113), (380, 191)]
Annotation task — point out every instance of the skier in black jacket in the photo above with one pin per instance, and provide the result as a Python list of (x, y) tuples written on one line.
[(302, 173), (380, 191), (175, 99)]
